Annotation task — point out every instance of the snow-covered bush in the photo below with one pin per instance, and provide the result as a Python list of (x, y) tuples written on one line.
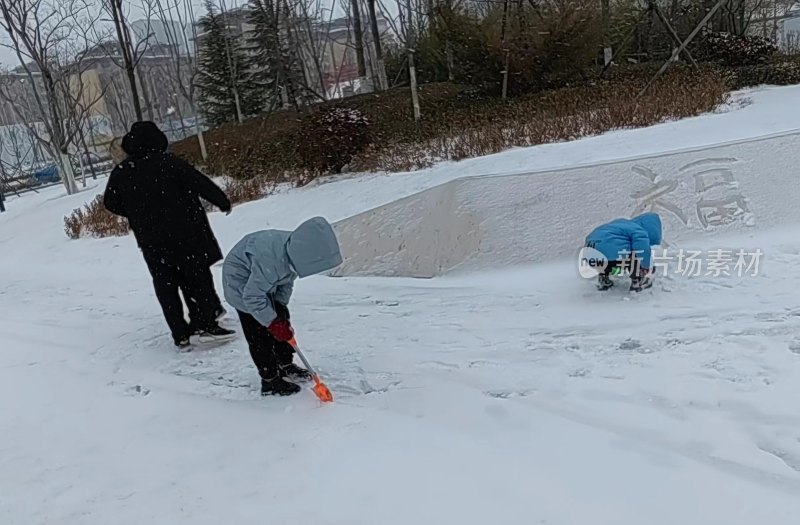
[(331, 137), (735, 50)]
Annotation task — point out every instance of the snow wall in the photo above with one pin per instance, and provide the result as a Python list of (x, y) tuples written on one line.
[(505, 220)]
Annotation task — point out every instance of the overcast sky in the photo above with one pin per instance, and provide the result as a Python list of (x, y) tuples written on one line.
[(8, 58)]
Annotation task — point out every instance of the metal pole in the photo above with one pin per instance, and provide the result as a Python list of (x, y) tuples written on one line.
[(673, 32), (683, 46)]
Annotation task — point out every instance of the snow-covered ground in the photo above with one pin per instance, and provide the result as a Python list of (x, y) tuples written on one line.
[(519, 395)]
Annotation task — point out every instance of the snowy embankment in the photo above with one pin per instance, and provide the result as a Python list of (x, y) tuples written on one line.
[(520, 395)]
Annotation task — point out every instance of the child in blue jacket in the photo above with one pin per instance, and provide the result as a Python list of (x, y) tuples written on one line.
[(627, 243)]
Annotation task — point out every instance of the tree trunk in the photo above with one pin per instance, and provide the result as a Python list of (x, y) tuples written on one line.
[(137, 104), (66, 172), (651, 22), (376, 41), (359, 37), (412, 70), (88, 156), (200, 138), (505, 48), (412, 74), (57, 135)]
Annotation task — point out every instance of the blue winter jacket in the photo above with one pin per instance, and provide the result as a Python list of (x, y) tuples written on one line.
[(621, 237), (263, 266)]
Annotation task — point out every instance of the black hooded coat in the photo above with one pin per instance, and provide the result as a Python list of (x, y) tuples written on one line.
[(160, 195)]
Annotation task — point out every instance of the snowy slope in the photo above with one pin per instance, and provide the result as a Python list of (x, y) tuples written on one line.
[(519, 396)]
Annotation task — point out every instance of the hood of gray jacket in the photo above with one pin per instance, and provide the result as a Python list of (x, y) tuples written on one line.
[(312, 248)]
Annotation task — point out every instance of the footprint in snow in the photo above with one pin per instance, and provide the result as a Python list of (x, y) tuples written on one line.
[(630, 344), (137, 390)]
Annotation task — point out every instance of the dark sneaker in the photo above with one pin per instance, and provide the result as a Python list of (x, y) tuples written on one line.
[(183, 342), (295, 373), (278, 386), (604, 282), (215, 334), (637, 285)]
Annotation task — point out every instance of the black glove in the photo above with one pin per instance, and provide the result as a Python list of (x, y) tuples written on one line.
[(281, 309)]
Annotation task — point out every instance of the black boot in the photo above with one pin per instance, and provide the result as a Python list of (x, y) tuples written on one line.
[(295, 373), (278, 386)]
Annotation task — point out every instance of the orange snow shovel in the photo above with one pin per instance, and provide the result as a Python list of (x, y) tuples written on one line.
[(319, 388)]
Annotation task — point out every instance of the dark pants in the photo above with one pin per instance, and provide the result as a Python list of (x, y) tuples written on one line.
[(631, 265), (267, 352), (175, 273)]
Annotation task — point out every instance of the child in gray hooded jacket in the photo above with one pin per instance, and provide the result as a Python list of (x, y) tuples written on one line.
[(258, 277)]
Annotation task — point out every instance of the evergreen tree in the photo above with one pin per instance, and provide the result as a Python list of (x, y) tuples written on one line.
[(273, 57), (226, 88)]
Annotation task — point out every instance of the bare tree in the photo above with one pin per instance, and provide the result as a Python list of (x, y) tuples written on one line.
[(177, 16), (130, 51), (43, 35), (314, 37)]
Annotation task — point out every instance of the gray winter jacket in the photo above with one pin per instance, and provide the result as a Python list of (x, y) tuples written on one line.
[(263, 265)]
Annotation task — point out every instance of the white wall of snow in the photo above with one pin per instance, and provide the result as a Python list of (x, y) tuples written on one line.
[(499, 221), (422, 235)]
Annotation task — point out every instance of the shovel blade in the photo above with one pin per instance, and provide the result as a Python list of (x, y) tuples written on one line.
[(321, 391)]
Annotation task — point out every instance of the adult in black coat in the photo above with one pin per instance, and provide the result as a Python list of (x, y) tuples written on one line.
[(160, 195)]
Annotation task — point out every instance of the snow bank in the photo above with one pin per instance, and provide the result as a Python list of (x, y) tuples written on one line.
[(420, 236), (518, 396), (496, 221)]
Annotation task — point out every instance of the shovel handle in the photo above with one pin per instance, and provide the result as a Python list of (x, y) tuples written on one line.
[(296, 347)]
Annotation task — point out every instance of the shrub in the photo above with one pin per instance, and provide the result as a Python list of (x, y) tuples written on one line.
[(735, 50), (556, 49), (781, 71), (547, 48), (246, 190), (461, 121), (556, 115), (94, 220), (332, 137)]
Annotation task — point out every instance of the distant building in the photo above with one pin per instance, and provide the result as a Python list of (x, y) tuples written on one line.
[(164, 34), (779, 22)]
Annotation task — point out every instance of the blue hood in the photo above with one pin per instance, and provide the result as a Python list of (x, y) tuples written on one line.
[(651, 223)]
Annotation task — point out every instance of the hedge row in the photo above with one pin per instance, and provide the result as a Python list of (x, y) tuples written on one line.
[(457, 122)]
